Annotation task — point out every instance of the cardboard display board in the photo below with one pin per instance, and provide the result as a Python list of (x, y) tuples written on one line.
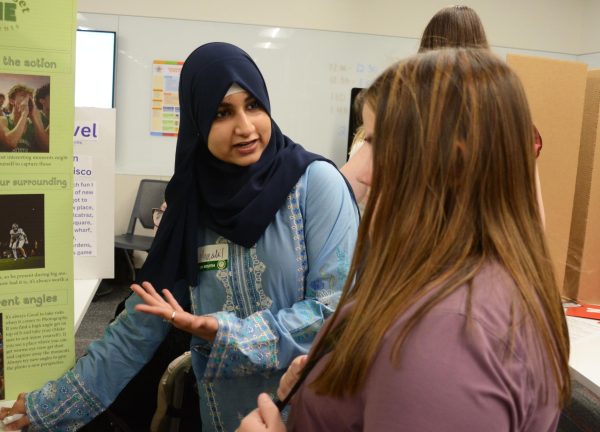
[(586, 241), (555, 90)]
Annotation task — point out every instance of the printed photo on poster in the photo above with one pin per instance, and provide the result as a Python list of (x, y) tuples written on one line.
[(21, 232), (25, 113)]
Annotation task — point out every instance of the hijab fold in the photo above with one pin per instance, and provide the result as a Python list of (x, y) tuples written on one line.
[(234, 201)]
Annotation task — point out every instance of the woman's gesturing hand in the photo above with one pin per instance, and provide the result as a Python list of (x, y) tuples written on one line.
[(169, 309)]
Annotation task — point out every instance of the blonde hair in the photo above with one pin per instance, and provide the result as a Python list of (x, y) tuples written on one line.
[(17, 88), (452, 133), (357, 141)]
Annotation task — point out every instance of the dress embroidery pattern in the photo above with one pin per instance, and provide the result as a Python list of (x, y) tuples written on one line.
[(214, 407), (242, 348), (67, 398), (326, 292), (245, 274), (269, 308), (297, 226)]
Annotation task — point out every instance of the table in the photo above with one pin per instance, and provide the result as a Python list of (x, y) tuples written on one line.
[(584, 360)]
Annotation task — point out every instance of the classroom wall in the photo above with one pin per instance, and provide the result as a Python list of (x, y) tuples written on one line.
[(592, 60), (590, 34), (548, 25), (554, 26)]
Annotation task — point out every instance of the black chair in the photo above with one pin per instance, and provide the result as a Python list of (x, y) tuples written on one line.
[(150, 194), (582, 413)]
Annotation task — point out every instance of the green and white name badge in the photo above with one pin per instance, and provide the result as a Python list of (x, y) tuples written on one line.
[(213, 257)]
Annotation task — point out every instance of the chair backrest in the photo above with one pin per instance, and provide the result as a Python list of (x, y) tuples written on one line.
[(177, 403), (150, 194)]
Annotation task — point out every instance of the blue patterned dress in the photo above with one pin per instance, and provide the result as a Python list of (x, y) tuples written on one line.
[(270, 301)]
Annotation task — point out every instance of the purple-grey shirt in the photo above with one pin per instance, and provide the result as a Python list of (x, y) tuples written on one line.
[(455, 374)]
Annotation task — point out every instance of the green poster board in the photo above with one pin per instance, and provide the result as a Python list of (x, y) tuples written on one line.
[(37, 48)]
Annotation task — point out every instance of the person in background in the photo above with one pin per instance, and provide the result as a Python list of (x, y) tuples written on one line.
[(460, 26), (257, 239), (452, 26), (22, 130), (456, 324)]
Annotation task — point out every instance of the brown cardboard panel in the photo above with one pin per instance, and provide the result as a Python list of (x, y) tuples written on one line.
[(555, 91), (583, 185), (589, 170)]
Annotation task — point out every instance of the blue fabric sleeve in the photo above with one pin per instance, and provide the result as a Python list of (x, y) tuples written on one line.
[(97, 378), (268, 340)]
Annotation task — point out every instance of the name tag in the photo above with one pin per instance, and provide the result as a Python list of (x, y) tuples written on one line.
[(213, 257)]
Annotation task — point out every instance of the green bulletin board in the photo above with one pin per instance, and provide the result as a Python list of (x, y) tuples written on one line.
[(37, 48)]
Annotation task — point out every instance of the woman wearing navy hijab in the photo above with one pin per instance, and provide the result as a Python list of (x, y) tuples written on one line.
[(256, 241)]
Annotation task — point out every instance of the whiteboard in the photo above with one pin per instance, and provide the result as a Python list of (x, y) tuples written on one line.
[(309, 75)]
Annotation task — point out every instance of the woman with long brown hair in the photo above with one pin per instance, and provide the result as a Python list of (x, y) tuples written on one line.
[(459, 26), (451, 317)]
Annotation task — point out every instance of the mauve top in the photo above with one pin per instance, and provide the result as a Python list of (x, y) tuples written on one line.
[(455, 374)]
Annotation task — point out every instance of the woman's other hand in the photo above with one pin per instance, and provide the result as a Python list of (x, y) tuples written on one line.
[(18, 409), (168, 309)]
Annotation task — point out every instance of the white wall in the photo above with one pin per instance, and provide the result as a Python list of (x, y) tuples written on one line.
[(590, 35), (592, 60), (555, 26), (547, 25)]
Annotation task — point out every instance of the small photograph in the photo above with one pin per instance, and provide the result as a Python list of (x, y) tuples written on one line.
[(21, 232), (24, 113), (2, 388)]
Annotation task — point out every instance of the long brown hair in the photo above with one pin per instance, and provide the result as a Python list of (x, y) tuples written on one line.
[(454, 27), (453, 189)]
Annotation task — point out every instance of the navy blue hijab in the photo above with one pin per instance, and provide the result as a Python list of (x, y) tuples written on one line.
[(236, 202)]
